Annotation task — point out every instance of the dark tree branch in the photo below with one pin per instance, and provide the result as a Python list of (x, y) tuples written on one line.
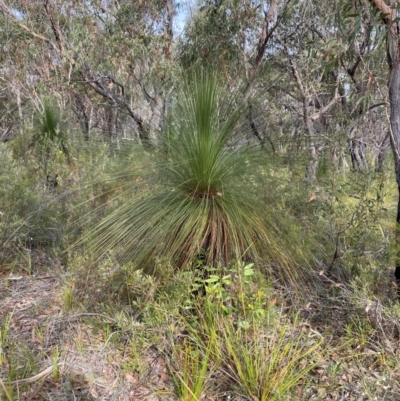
[(25, 27), (5, 136), (377, 105), (118, 101), (54, 27)]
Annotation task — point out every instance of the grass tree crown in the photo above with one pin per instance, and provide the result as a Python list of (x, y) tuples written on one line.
[(206, 198)]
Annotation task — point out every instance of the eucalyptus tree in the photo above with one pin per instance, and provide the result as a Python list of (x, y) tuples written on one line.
[(310, 92), (297, 52), (366, 34), (361, 53), (25, 59), (40, 51), (386, 15), (119, 52), (135, 65), (237, 38), (331, 89)]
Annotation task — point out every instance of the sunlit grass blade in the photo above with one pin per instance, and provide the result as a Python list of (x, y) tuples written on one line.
[(267, 363), (192, 370)]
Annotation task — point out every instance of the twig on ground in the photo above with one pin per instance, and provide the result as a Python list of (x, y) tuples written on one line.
[(39, 376)]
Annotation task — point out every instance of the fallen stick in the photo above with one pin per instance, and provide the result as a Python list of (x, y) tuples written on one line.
[(37, 377)]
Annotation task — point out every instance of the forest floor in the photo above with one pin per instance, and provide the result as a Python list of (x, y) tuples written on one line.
[(62, 355), (53, 352)]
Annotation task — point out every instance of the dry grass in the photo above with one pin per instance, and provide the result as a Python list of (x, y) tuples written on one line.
[(93, 350), (90, 367)]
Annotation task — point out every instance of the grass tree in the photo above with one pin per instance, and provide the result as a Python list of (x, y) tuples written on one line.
[(48, 136), (207, 198)]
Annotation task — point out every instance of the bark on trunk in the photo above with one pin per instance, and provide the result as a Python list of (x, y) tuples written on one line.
[(357, 153), (382, 152), (394, 99), (79, 109), (389, 12)]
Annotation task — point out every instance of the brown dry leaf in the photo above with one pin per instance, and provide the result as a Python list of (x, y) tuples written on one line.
[(130, 378), (313, 197), (300, 390), (163, 377)]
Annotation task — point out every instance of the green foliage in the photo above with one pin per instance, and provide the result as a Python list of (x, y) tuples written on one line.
[(4, 339), (206, 197), (48, 137), (359, 332), (353, 213), (222, 21), (234, 293), (267, 364), (206, 213), (35, 215), (190, 370), (263, 356), (30, 216), (7, 391)]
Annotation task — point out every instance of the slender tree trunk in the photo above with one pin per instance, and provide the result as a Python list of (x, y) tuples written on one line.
[(81, 113), (109, 123), (394, 99), (389, 13), (357, 153), (311, 169), (382, 152)]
